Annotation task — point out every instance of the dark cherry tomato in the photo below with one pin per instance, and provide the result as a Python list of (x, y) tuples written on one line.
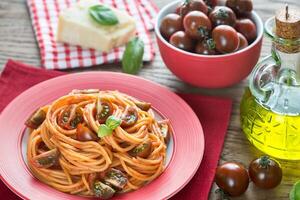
[(265, 172), (116, 178), (130, 117), (103, 110), (70, 117), (232, 178), (46, 159), (182, 41), (222, 15), (36, 119), (192, 5), (211, 3), (226, 38), (196, 25), (83, 134), (206, 47), (102, 190), (242, 41), (143, 105), (240, 7), (143, 150), (247, 28), (165, 130), (170, 24)]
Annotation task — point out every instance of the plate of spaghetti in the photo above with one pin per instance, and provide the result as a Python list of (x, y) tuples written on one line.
[(99, 135)]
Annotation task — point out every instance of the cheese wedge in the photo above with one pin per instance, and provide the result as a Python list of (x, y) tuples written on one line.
[(77, 27)]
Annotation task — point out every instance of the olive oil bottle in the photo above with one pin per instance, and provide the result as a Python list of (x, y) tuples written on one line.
[(270, 107)]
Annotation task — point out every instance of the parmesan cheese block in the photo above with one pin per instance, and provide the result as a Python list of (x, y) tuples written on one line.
[(77, 27)]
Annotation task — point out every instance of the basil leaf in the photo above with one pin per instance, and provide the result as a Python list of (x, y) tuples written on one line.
[(295, 192), (133, 56), (112, 122), (103, 15), (104, 131)]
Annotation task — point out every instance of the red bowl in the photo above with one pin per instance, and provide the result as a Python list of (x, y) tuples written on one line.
[(214, 71)]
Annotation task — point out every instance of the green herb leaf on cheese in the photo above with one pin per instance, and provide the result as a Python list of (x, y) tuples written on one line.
[(132, 59), (103, 15)]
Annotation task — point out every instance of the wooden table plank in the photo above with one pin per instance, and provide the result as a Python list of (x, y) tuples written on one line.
[(17, 41)]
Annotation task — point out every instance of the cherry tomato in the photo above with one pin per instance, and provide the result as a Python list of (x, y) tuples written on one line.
[(130, 117), (145, 106), (170, 24), (83, 133), (226, 38), (222, 15), (196, 25), (103, 110), (192, 5), (36, 119), (242, 41), (247, 28), (70, 117), (182, 41), (232, 178), (143, 150), (240, 7), (46, 159), (165, 130), (206, 47), (211, 3), (265, 172)]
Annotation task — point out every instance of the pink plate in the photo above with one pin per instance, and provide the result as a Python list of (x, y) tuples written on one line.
[(187, 144)]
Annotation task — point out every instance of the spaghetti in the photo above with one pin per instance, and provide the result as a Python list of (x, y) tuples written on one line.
[(96, 143)]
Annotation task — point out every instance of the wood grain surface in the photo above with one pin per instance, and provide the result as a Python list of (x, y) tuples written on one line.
[(17, 41)]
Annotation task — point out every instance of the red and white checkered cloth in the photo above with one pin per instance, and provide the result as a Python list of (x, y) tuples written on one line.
[(44, 15)]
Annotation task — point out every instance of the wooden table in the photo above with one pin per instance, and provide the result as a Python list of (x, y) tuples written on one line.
[(17, 41)]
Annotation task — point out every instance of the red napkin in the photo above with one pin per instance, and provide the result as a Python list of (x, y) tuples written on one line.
[(214, 114)]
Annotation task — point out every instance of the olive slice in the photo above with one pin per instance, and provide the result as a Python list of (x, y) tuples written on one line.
[(130, 117), (36, 119), (83, 134), (143, 150), (116, 178), (143, 105), (46, 159), (102, 190)]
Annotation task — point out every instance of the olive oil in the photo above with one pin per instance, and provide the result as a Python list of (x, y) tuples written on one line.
[(276, 134)]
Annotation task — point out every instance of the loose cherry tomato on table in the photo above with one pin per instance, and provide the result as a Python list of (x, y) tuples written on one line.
[(206, 47), (265, 172), (192, 5), (182, 41), (170, 24), (196, 25), (226, 38), (232, 178), (242, 41), (247, 28), (240, 7), (222, 15)]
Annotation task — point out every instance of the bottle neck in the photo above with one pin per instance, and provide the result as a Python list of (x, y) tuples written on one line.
[(289, 63)]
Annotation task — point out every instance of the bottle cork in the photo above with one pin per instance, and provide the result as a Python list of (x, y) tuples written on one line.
[(288, 27)]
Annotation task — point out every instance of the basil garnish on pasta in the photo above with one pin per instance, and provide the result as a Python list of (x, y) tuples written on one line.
[(111, 124)]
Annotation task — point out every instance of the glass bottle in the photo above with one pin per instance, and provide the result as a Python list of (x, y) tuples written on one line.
[(270, 107)]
